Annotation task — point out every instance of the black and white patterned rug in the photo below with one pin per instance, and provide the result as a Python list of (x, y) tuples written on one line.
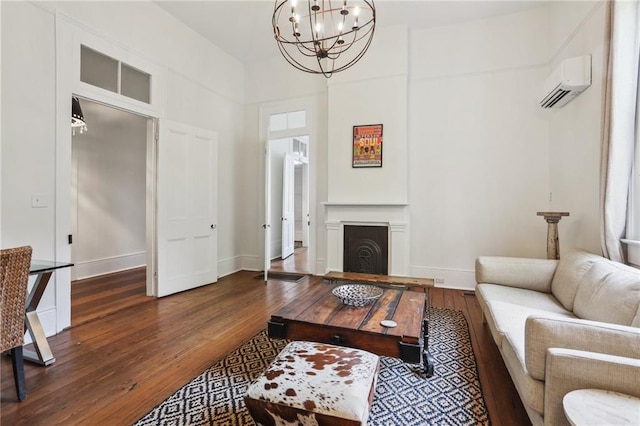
[(403, 396)]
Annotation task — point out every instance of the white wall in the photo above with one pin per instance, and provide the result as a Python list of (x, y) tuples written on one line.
[(110, 177), (374, 91), (478, 150), (575, 130), (28, 136)]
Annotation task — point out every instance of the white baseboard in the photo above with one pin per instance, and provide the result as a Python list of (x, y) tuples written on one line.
[(229, 266), (92, 268), (458, 279), (250, 262)]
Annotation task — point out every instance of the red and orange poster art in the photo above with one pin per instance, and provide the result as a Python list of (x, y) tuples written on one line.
[(367, 146)]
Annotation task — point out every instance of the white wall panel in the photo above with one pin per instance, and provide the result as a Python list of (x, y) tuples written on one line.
[(28, 130), (380, 101), (478, 150), (28, 137), (478, 171), (372, 92), (486, 45), (575, 130)]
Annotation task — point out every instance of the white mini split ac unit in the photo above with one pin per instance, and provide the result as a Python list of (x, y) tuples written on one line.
[(566, 82)]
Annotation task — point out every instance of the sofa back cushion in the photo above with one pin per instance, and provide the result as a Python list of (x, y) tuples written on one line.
[(609, 292), (569, 273)]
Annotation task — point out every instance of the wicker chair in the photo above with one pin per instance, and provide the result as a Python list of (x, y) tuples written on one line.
[(14, 277)]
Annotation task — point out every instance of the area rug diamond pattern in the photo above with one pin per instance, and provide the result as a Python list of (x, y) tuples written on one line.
[(403, 396)]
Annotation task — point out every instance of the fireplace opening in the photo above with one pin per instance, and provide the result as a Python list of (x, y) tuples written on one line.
[(366, 249)]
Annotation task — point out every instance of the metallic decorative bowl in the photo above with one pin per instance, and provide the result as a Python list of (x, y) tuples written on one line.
[(357, 294)]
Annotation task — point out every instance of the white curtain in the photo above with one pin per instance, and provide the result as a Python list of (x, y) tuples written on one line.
[(619, 123)]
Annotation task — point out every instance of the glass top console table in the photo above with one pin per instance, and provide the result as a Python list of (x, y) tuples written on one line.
[(42, 269)]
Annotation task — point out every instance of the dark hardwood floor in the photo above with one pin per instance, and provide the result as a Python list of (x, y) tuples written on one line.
[(96, 297), (115, 367), (298, 262)]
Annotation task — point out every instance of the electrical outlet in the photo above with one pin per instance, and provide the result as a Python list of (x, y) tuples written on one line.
[(439, 280)]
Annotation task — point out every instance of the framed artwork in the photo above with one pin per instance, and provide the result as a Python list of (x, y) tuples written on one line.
[(367, 146)]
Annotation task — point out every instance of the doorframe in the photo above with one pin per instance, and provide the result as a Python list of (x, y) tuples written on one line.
[(150, 182), (70, 34), (266, 110)]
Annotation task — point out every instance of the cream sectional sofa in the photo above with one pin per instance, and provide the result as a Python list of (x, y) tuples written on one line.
[(563, 325)]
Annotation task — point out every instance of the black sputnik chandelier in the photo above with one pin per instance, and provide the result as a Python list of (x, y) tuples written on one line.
[(323, 36)]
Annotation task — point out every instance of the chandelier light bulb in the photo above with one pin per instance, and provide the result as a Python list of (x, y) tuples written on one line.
[(356, 15)]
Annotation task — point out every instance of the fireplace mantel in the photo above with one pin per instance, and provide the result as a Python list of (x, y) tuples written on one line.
[(393, 215)]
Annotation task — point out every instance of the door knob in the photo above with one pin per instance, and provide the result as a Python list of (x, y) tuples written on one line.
[(213, 226)]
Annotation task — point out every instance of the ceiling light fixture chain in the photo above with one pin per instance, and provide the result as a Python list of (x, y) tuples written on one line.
[(323, 36)]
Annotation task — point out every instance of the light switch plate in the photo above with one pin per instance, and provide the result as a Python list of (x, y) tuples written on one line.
[(39, 200)]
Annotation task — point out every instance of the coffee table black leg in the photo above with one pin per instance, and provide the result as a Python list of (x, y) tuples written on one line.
[(427, 359)]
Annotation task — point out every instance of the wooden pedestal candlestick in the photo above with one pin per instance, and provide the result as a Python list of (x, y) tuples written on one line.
[(552, 218)]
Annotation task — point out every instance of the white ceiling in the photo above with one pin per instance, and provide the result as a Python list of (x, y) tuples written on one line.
[(243, 29)]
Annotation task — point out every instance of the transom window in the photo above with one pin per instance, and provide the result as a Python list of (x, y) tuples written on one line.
[(287, 120), (115, 76)]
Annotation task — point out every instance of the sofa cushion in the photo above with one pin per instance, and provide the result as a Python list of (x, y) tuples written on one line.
[(609, 292), (532, 274), (522, 297), (636, 319), (506, 317), (492, 297), (543, 333), (507, 321), (531, 391), (569, 273)]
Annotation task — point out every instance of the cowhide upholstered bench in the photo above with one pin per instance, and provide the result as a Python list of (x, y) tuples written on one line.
[(314, 384)]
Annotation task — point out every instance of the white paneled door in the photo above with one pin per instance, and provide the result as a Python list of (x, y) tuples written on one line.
[(288, 207), (187, 208)]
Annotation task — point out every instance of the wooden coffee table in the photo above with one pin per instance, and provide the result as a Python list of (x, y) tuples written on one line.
[(321, 317)]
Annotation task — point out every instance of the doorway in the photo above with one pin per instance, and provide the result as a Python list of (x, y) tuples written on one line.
[(108, 210), (289, 200), (288, 131)]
